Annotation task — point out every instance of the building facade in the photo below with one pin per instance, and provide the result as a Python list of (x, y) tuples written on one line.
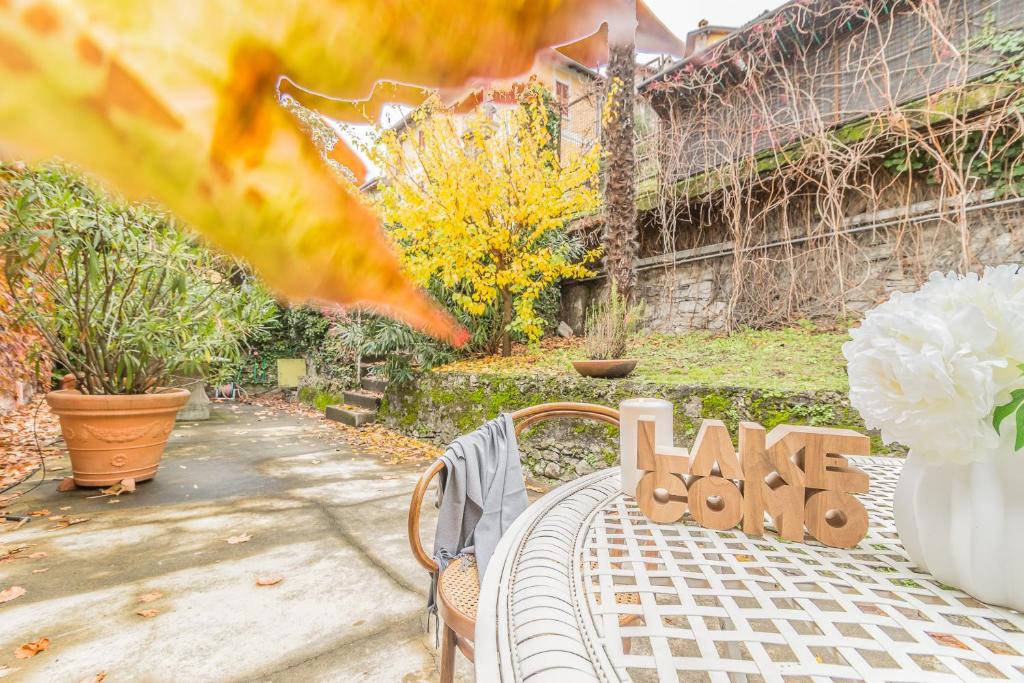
[(824, 155)]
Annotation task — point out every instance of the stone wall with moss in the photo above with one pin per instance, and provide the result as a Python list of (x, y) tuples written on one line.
[(440, 406), (321, 392)]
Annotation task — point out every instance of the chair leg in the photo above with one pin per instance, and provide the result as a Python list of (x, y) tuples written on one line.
[(447, 655)]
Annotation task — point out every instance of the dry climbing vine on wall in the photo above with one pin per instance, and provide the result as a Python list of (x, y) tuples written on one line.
[(827, 110)]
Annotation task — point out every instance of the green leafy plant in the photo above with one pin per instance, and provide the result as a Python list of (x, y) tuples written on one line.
[(1015, 407), (610, 326), (403, 350), (130, 300), (293, 332)]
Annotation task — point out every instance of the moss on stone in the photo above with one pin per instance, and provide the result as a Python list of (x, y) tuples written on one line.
[(717, 406), (445, 404), (319, 398)]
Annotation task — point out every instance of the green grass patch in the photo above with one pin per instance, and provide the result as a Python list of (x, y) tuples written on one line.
[(794, 359)]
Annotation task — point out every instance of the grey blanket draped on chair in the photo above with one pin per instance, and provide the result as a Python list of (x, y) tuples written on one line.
[(482, 492)]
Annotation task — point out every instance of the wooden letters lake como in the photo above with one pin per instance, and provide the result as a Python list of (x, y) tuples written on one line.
[(798, 475)]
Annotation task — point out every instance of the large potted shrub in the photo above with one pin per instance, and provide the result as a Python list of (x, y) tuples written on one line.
[(610, 326), (127, 302)]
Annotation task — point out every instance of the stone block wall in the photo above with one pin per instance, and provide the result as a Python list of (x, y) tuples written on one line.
[(440, 406)]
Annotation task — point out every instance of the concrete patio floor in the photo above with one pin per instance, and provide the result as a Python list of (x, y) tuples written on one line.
[(330, 521)]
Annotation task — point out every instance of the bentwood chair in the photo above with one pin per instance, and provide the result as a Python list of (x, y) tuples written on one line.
[(458, 587)]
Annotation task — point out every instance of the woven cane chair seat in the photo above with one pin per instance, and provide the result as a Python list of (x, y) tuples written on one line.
[(459, 586)]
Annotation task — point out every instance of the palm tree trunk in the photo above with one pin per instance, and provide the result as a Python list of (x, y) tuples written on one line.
[(620, 240)]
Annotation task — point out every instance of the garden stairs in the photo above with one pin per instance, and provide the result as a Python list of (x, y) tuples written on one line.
[(360, 406)]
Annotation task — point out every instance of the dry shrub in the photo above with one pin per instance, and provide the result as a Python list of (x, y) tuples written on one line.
[(611, 324)]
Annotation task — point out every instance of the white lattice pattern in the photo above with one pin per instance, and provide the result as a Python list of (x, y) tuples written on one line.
[(722, 606)]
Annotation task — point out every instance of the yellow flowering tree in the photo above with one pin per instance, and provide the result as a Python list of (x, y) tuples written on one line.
[(479, 204)]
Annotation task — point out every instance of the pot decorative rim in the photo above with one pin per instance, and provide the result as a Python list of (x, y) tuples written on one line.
[(71, 398), (588, 361)]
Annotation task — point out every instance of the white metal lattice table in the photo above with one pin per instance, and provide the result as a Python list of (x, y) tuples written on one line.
[(722, 606)]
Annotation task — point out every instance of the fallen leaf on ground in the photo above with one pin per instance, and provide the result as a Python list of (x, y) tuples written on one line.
[(150, 597), (66, 484), (148, 613), (8, 594), (269, 580), (32, 649), (6, 671), (374, 438), (868, 608), (27, 434), (40, 513), (7, 554), (123, 486), (948, 639), (95, 679), (64, 523), (240, 538)]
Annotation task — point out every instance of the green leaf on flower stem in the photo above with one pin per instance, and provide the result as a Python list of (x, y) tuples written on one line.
[(1005, 410), (1019, 441)]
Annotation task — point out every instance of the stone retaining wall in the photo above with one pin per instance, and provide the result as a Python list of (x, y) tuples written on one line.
[(692, 293), (440, 406)]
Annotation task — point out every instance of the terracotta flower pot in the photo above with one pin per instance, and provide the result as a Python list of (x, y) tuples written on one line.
[(605, 369), (111, 438)]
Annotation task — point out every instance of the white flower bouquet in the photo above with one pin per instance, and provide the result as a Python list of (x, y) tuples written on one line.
[(940, 370)]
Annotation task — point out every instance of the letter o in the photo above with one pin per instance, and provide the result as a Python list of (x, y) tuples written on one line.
[(716, 503), (836, 519), (662, 506)]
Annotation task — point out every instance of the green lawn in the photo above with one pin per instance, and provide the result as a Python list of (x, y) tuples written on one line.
[(795, 359)]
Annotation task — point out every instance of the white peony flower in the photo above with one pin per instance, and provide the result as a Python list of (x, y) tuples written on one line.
[(929, 368)]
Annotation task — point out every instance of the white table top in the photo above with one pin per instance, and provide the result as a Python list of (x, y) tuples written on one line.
[(722, 606)]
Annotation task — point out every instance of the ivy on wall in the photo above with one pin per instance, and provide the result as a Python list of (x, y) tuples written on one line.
[(993, 158)]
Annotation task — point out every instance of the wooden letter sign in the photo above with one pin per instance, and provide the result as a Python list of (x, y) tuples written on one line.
[(797, 475)]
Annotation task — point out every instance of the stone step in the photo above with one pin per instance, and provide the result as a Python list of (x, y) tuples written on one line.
[(367, 400), (378, 386), (367, 369), (350, 415)]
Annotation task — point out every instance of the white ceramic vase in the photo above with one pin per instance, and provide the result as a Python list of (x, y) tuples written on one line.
[(964, 524)]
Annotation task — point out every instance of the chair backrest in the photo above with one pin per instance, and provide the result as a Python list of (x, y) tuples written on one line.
[(522, 419)]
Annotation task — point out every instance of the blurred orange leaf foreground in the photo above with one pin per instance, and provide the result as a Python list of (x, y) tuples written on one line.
[(175, 102)]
